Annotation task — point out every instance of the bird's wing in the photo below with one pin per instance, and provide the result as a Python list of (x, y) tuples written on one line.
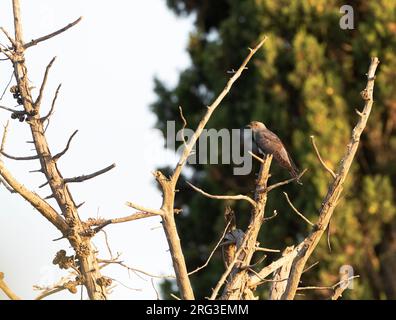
[(268, 142)]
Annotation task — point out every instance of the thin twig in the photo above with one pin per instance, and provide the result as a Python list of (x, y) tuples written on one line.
[(8, 55), (329, 287), (60, 154), (8, 36), (174, 296), (5, 184), (320, 158), (155, 289), (310, 267), (259, 261), (3, 139), (343, 285), (8, 84), (122, 264), (53, 34), (19, 158), (8, 109), (296, 211), (271, 217), (213, 251), (89, 176), (184, 125), (282, 183), (50, 292), (234, 197), (266, 249), (140, 208), (256, 157), (44, 82), (266, 280), (49, 114)]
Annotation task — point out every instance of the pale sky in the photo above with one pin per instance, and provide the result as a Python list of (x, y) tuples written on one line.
[(106, 65)]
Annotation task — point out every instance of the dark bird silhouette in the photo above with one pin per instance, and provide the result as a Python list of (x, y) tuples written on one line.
[(269, 143)]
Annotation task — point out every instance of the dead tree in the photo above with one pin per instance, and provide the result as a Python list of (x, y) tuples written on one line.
[(66, 219), (240, 278), (168, 188)]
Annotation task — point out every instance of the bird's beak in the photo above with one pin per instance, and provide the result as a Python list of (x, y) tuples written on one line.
[(248, 126)]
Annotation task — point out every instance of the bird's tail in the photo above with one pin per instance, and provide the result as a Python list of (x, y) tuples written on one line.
[(295, 173)]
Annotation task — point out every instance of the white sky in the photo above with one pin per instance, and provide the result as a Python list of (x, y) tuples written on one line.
[(106, 65)]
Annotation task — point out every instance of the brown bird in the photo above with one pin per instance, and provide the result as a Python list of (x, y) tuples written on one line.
[(269, 143)]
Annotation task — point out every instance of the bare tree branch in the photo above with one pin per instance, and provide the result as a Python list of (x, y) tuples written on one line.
[(344, 283), (42, 206), (256, 157), (310, 267), (3, 286), (8, 36), (210, 110), (20, 158), (49, 114), (85, 252), (3, 139), (7, 54), (8, 109), (60, 154), (296, 211), (51, 35), (320, 158), (340, 287), (44, 82), (6, 87), (211, 196), (135, 270), (132, 217), (144, 209), (89, 176), (5, 184), (266, 249), (212, 253), (271, 217), (184, 125), (282, 183), (50, 292)]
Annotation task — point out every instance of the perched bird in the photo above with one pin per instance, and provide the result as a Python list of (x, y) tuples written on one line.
[(269, 143)]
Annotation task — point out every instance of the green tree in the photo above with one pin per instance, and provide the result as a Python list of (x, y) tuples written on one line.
[(306, 81)]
